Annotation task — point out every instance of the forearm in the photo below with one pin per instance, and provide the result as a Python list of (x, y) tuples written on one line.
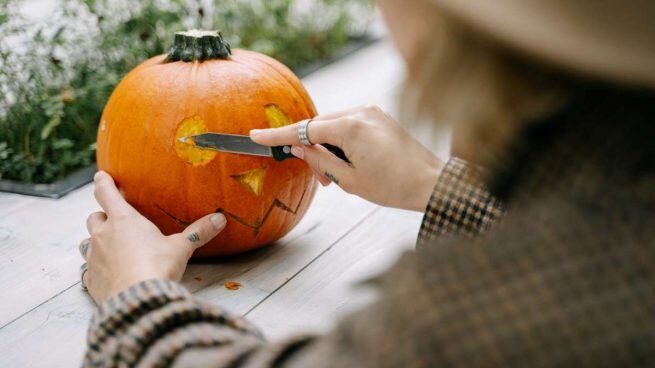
[(159, 323), (460, 203)]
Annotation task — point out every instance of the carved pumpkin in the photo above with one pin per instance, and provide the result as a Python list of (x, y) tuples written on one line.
[(202, 86)]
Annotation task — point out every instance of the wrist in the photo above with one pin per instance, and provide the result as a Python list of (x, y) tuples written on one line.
[(123, 283), (425, 185)]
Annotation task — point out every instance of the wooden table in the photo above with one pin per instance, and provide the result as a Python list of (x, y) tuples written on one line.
[(302, 282)]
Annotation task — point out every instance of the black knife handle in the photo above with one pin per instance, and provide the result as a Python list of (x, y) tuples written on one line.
[(281, 153), (336, 151)]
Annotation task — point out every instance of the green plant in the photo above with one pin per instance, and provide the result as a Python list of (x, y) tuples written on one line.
[(56, 75), (294, 36)]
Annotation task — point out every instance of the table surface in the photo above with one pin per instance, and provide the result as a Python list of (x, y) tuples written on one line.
[(303, 282)]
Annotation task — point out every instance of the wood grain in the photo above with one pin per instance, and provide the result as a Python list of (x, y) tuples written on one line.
[(10, 202), (39, 251), (327, 289)]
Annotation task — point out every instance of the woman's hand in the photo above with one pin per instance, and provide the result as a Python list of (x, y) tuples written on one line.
[(125, 248), (388, 166)]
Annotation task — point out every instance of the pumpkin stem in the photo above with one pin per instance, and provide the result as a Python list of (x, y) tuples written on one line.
[(197, 45)]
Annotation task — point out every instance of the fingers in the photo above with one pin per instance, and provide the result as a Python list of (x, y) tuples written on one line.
[(286, 135), (108, 195), (203, 230), (330, 128), (319, 131), (339, 114), (94, 221), (325, 163)]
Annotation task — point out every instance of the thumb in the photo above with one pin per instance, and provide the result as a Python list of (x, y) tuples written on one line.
[(203, 230)]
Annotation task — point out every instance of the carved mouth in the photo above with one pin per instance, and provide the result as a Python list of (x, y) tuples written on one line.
[(256, 226)]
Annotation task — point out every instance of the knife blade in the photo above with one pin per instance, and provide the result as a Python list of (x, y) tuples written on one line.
[(242, 144)]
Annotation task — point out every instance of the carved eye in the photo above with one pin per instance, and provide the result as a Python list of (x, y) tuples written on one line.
[(252, 180), (276, 117), (193, 155)]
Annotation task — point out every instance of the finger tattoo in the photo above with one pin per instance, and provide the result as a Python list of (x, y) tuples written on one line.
[(193, 237), (331, 177), (84, 248)]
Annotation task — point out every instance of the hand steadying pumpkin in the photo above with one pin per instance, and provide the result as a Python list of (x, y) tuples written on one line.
[(125, 248), (388, 166)]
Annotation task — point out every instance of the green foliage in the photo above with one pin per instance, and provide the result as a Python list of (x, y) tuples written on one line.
[(57, 74), (294, 36)]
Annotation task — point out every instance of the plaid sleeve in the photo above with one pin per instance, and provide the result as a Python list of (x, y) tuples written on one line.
[(460, 204), (156, 322)]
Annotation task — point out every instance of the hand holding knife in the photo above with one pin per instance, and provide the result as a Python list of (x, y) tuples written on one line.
[(243, 144)]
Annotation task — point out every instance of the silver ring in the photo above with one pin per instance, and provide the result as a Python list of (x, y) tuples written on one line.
[(83, 269), (302, 132), (84, 247)]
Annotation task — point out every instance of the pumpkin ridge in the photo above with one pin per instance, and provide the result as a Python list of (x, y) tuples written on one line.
[(281, 79), (300, 91), (272, 81)]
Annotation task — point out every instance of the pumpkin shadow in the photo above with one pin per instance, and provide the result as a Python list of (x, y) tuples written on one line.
[(258, 254), (245, 257), (280, 259)]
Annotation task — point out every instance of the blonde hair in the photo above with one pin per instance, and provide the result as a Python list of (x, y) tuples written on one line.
[(486, 91)]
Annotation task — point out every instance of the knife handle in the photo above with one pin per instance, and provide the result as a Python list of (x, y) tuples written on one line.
[(336, 151), (281, 153)]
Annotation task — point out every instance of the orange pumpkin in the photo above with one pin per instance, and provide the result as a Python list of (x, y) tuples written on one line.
[(202, 86)]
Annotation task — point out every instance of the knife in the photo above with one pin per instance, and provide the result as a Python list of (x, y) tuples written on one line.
[(242, 144)]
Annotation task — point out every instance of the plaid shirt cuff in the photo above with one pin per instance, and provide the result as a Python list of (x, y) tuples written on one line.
[(460, 204), (126, 325)]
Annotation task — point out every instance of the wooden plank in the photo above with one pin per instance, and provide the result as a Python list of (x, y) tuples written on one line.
[(40, 257), (326, 290), (372, 75), (56, 328), (10, 202)]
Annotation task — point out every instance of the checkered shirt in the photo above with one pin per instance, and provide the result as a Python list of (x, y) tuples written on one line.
[(460, 203)]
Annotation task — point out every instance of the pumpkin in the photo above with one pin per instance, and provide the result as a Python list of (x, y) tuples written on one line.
[(199, 86)]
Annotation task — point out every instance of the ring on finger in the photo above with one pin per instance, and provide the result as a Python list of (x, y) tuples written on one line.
[(83, 269), (84, 247), (302, 132)]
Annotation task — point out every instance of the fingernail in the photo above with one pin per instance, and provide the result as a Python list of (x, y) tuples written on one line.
[(99, 175), (257, 131), (298, 152), (218, 220)]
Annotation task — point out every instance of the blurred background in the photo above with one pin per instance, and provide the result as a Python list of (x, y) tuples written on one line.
[(60, 60)]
